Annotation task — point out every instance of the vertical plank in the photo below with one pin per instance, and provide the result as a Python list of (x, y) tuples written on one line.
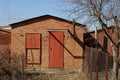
[(97, 64), (91, 63), (86, 62), (32, 40), (106, 69)]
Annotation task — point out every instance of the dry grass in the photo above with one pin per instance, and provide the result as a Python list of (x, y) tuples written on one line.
[(13, 68)]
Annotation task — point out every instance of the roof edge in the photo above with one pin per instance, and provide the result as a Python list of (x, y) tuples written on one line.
[(12, 25), (5, 30)]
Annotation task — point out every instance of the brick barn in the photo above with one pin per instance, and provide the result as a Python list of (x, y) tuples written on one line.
[(48, 42)]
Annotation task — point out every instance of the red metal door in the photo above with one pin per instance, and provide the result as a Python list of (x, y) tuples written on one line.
[(56, 49)]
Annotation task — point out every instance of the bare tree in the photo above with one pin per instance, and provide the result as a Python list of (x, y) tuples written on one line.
[(104, 13)]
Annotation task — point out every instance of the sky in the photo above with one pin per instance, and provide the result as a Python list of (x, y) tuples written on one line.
[(12, 11)]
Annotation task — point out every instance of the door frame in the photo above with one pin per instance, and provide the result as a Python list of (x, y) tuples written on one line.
[(63, 44)]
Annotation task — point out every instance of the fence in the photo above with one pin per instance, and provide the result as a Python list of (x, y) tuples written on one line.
[(97, 64)]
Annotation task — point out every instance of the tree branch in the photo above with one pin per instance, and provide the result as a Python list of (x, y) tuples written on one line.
[(117, 30), (104, 27)]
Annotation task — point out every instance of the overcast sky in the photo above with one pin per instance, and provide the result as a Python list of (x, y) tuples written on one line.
[(16, 10)]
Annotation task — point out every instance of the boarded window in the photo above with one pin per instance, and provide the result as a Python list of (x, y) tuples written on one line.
[(32, 40), (33, 56), (33, 49)]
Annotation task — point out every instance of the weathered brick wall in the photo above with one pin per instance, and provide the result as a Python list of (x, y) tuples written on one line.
[(5, 39), (73, 53), (5, 42)]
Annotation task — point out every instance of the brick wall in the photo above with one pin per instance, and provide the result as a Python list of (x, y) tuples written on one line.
[(5, 42), (5, 38)]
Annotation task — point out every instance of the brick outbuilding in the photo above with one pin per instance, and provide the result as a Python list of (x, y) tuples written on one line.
[(102, 46), (48, 42), (5, 38), (103, 43), (5, 43)]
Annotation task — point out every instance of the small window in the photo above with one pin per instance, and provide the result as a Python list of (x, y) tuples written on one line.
[(33, 49)]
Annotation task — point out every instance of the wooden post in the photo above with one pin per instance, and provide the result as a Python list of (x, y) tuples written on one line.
[(97, 66), (86, 62), (106, 66), (74, 33), (105, 46), (91, 63), (96, 37)]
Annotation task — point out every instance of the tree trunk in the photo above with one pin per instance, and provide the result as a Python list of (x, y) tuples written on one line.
[(115, 63)]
